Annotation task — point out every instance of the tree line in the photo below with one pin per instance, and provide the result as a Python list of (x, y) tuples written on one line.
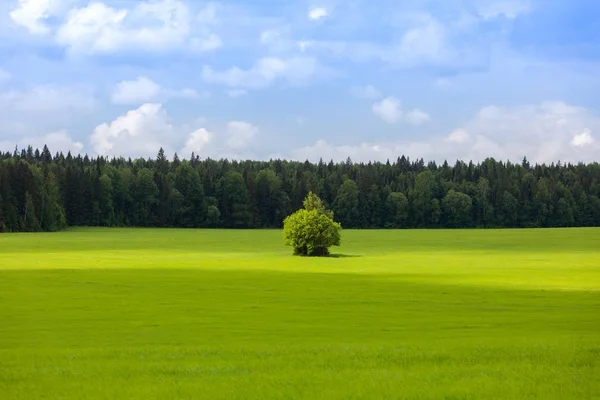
[(42, 192)]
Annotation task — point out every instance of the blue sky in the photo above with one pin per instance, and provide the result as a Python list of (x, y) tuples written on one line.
[(370, 80)]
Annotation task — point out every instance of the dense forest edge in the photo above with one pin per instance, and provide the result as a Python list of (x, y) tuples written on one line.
[(41, 192)]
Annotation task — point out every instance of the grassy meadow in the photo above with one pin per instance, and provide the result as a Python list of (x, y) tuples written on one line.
[(201, 314)]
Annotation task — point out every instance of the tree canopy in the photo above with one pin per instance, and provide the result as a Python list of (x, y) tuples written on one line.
[(41, 192), (311, 231)]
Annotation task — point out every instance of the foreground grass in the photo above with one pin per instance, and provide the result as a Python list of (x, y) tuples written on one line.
[(229, 314)]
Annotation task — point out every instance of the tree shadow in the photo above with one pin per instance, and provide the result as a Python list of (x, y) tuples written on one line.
[(333, 255)]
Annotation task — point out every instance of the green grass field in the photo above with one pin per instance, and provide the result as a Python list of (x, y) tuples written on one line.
[(192, 314)]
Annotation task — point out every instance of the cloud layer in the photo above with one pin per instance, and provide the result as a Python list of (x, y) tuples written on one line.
[(441, 80), (546, 132), (98, 28)]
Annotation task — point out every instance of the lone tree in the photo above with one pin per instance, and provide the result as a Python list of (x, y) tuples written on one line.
[(311, 231)]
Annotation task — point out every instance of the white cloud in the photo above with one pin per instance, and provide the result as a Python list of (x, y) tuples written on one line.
[(48, 98), (235, 93), (145, 90), (511, 9), (56, 142), (542, 132), (96, 28), (197, 142), (148, 26), (418, 39), (142, 90), (236, 142), (365, 92), (139, 133), (317, 13), (240, 134), (265, 72), (583, 139), (458, 136), (31, 14), (545, 132), (390, 111)]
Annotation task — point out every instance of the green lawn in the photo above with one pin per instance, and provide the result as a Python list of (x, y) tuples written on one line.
[(189, 314)]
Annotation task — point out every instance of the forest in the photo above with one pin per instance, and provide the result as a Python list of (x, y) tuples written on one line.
[(42, 192)]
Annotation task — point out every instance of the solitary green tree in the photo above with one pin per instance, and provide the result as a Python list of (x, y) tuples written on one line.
[(311, 231)]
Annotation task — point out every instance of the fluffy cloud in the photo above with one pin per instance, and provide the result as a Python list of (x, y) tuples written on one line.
[(48, 98), (317, 13), (197, 142), (149, 25), (142, 131), (31, 14), (546, 132), (141, 90), (145, 90), (56, 141), (99, 28), (542, 132), (237, 141), (138, 133), (265, 72), (390, 111), (583, 139)]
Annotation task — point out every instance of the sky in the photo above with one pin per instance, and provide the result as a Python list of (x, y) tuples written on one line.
[(367, 79)]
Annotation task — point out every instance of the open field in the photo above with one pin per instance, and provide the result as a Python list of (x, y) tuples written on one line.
[(132, 313)]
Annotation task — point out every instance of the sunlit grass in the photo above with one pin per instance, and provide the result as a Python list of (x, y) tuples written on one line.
[(141, 313)]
